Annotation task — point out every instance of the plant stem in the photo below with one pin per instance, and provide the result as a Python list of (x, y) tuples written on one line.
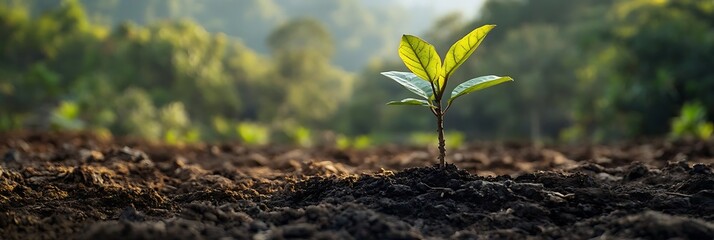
[(440, 129)]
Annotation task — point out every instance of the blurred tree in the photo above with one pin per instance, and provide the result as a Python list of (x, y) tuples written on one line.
[(138, 115), (361, 33), (625, 76), (658, 59), (60, 58), (691, 123), (310, 88), (442, 30), (366, 112), (250, 20), (29, 58), (541, 65), (301, 35)]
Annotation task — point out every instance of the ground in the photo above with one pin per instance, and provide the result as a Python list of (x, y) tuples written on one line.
[(78, 186)]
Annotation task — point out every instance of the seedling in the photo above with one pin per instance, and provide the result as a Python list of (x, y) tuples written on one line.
[(429, 76)]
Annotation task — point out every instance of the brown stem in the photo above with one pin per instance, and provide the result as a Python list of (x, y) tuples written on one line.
[(440, 130)]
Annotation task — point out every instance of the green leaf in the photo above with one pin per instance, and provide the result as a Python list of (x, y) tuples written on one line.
[(420, 57), (476, 84), (412, 82), (410, 101), (462, 49)]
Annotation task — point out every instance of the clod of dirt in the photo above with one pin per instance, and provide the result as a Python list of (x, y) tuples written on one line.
[(657, 225), (11, 155), (636, 171), (131, 214), (91, 155), (129, 154)]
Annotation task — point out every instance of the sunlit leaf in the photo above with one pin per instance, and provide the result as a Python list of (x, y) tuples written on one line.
[(410, 101), (412, 82), (477, 84), (463, 48), (420, 57), (440, 83)]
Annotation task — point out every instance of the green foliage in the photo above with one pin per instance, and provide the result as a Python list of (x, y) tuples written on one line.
[(453, 138), (588, 70), (656, 59), (358, 142), (303, 34), (66, 117), (169, 80), (476, 84), (411, 101), (544, 60), (138, 114), (692, 122), (253, 133), (462, 49), (421, 58), (176, 125), (412, 83), (301, 136)]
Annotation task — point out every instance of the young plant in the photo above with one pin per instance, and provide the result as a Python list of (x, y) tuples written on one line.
[(429, 76)]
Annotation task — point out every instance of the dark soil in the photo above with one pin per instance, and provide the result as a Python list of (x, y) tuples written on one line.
[(78, 186)]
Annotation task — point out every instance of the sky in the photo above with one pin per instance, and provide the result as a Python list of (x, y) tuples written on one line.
[(467, 7)]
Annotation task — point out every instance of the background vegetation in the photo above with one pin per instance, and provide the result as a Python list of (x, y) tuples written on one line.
[(307, 72)]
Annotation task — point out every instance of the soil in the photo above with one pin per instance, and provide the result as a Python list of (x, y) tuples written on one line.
[(79, 186)]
